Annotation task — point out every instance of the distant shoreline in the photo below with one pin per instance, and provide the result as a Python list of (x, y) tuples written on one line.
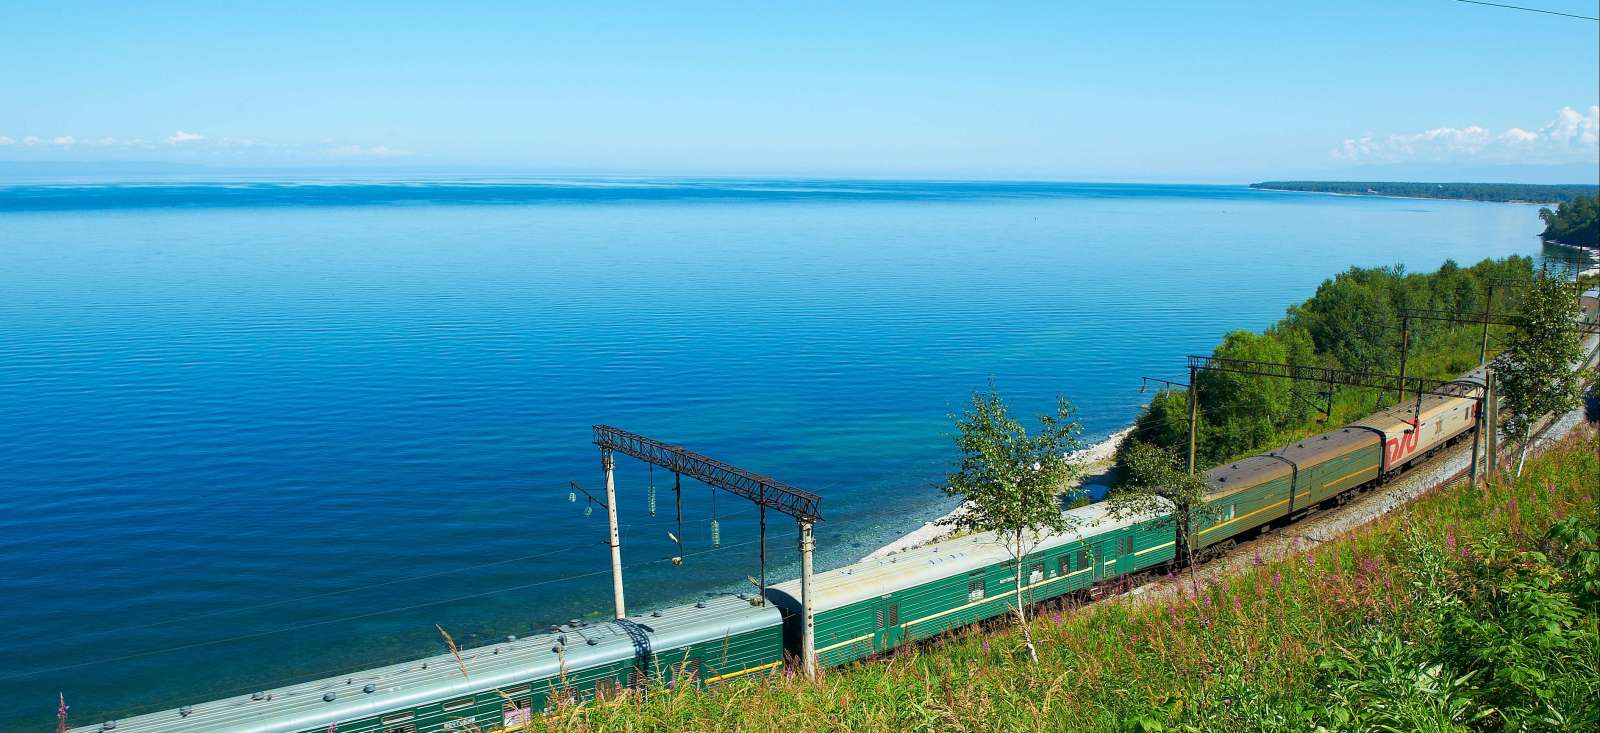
[(1510, 193), (1397, 196)]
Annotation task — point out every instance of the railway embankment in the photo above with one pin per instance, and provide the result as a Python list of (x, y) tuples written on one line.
[(1463, 609), (1431, 602)]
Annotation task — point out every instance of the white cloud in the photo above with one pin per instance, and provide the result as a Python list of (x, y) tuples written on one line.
[(7, 141), (31, 140), (1572, 137), (106, 141), (184, 137), (63, 140)]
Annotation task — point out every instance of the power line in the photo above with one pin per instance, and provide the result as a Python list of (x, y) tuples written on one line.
[(1531, 10)]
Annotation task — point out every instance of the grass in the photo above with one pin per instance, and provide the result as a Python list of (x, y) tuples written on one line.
[(1460, 612)]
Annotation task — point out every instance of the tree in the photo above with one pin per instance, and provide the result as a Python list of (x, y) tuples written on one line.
[(1537, 372), (1013, 482), (1156, 485)]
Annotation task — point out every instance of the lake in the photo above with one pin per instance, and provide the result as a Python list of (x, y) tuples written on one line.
[(255, 432)]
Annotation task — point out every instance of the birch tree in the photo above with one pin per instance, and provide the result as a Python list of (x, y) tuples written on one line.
[(1013, 481), (1537, 372), (1155, 484)]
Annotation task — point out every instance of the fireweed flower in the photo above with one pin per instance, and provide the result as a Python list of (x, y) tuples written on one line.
[(1277, 578)]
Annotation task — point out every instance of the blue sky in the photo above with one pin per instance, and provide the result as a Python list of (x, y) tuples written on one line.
[(1225, 91)]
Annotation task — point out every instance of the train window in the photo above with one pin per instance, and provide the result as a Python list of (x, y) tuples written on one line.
[(879, 617), (894, 614), (398, 718), (606, 689), (1083, 558), (1036, 573), (407, 728), (1064, 564), (1125, 545), (516, 713), (974, 590), (458, 703)]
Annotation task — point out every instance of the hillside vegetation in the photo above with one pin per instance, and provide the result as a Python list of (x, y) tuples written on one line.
[(1574, 222), (1525, 192), (1473, 609), (1353, 322)]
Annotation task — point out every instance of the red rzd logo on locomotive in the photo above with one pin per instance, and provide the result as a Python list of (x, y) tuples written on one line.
[(1402, 446)]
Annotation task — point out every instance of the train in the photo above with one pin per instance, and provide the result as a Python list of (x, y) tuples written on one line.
[(860, 610)]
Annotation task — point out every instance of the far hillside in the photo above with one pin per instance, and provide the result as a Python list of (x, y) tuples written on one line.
[(1509, 192)]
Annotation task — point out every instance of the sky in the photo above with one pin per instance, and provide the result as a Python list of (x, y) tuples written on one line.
[(1154, 91)]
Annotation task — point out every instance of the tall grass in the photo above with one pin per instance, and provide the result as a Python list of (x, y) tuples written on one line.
[(1377, 630)]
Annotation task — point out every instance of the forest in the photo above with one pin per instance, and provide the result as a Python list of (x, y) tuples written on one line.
[(1353, 322), (1575, 222), (1523, 192)]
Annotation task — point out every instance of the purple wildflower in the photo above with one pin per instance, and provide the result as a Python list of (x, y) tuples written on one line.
[(985, 646), (1277, 578), (1450, 541)]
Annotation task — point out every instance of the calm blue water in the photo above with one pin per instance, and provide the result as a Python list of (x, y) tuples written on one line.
[(251, 433)]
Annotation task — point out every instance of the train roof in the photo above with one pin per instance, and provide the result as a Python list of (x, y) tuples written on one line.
[(424, 681), (876, 577), (1325, 446), (1239, 475)]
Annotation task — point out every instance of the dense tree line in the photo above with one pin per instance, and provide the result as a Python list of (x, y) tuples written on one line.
[(1353, 322), (1573, 222), (1469, 191)]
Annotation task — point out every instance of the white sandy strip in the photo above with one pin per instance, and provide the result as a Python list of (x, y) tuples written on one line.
[(1094, 457)]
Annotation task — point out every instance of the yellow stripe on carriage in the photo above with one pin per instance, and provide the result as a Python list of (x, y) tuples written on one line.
[(987, 599), (745, 671)]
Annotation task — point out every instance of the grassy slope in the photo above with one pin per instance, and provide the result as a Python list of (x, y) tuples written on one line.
[(1344, 636)]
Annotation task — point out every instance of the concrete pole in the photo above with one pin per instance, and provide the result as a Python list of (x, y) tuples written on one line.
[(1492, 420), (1488, 308), (1405, 347), (616, 538), (1194, 410), (1477, 441), (808, 622)]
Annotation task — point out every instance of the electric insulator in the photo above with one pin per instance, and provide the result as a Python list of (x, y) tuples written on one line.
[(651, 496), (588, 509), (572, 496), (716, 533)]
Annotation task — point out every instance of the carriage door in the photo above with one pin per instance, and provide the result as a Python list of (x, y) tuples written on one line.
[(888, 633)]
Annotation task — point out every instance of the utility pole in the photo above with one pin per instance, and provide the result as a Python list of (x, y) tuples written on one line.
[(609, 463), (1477, 441), (1194, 408), (1405, 348), (1492, 442), (808, 621), (1488, 315)]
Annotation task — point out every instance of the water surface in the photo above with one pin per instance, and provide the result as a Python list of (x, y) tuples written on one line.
[(254, 432)]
